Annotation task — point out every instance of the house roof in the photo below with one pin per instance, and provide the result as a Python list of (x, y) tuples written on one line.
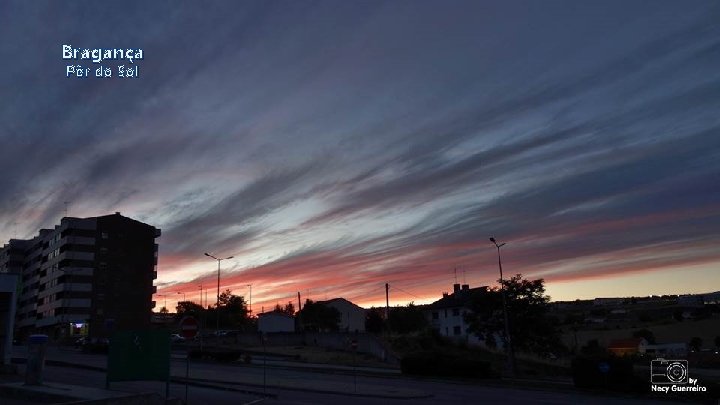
[(458, 299), (277, 313), (341, 300), (631, 343)]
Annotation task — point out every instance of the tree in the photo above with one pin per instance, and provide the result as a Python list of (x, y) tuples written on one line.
[(288, 309), (185, 308), (646, 334), (318, 317), (233, 311), (164, 310), (225, 297), (407, 319), (375, 320), (531, 326)]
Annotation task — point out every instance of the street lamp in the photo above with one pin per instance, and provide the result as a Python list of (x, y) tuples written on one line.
[(510, 350), (217, 304), (180, 292), (165, 304), (250, 285)]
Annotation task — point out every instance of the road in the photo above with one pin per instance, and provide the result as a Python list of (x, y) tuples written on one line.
[(301, 387), (443, 393)]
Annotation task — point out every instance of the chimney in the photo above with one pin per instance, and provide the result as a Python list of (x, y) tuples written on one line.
[(445, 295), (456, 288), (465, 287)]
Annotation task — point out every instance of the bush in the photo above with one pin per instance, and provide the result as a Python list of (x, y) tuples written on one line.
[(435, 363), (607, 372)]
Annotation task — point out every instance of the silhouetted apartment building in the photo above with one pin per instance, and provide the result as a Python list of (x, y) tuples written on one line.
[(85, 276)]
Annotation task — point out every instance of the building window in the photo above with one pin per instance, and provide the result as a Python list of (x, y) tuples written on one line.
[(435, 315), (456, 330), (456, 312), (105, 235)]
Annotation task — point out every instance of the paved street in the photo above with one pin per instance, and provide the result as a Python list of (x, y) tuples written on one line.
[(298, 387)]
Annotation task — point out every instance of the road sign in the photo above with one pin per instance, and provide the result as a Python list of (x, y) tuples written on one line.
[(188, 327)]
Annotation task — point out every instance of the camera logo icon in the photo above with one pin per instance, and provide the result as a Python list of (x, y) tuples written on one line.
[(668, 371)]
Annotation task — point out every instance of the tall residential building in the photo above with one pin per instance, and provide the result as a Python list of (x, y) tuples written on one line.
[(86, 276)]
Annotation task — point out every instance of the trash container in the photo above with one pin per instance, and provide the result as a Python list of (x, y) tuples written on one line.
[(35, 359)]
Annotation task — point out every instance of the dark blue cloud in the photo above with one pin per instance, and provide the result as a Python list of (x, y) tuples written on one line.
[(285, 129)]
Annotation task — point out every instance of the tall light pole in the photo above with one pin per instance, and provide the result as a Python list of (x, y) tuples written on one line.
[(508, 339), (217, 304), (180, 292), (165, 297), (250, 285)]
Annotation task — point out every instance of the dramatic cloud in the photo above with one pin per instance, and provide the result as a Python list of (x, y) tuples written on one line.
[(335, 147)]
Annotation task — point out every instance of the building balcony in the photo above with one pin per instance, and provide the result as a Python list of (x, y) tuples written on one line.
[(78, 240), (76, 287), (72, 255)]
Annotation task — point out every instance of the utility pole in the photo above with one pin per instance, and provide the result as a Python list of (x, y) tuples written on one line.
[(387, 301), (299, 323)]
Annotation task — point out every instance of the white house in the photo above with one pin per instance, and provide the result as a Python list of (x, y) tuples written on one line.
[(275, 321), (447, 315), (352, 317)]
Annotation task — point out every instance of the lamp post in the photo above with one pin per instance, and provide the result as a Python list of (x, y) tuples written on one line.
[(217, 304), (165, 304), (250, 301), (509, 348), (180, 292)]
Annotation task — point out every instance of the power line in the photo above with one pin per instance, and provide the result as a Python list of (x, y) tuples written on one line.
[(406, 292)]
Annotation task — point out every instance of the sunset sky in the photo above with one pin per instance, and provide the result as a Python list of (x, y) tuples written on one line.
[(331, 146)]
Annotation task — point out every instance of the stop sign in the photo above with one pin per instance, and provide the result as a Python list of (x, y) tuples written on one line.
[(188, 327)]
